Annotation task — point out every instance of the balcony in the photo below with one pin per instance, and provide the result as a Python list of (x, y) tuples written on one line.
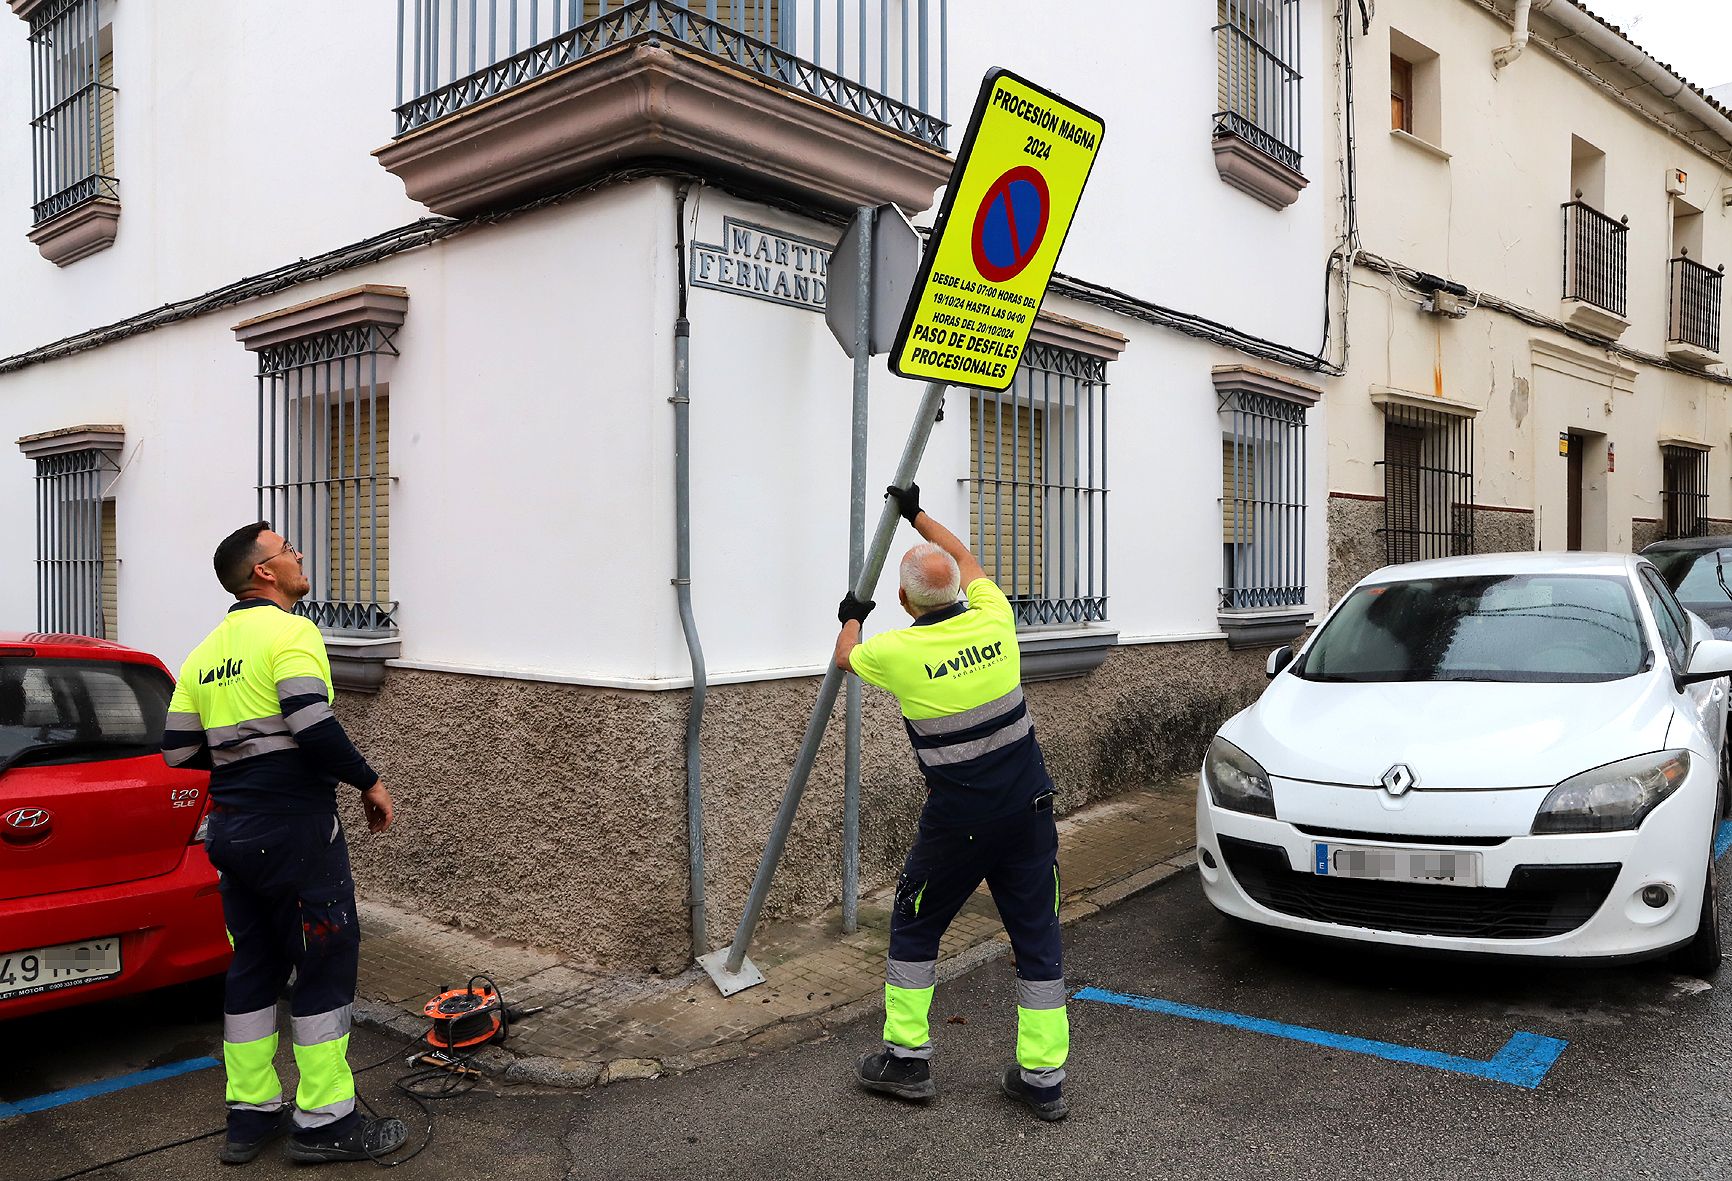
[(839, 102), (1256, 134), (1596, 271), (1693, 317)]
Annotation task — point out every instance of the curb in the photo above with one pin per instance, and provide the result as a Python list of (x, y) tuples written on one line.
[(578, 1074)]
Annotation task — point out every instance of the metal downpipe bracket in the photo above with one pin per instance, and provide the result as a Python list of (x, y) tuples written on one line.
[(730, 970)]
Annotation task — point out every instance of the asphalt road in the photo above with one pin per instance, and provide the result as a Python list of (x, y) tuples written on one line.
[(1640, 1090)]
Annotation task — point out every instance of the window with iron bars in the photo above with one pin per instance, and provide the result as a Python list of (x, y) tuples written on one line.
[(1038, 495), (76, 589), (1683, 491), (72, 92), (1262, 501), (324, 477), (1427, 484), (1257, 89)]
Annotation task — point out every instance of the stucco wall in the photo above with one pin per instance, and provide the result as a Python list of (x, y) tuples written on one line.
[(555, 814), (1355, 546)]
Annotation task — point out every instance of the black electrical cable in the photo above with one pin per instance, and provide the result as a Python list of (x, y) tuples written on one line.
[(457, 1077)]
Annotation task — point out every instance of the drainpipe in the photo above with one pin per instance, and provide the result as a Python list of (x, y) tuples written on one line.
[(1503, 55), (683, 586)]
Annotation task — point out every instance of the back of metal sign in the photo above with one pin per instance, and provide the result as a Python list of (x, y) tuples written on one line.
[(895, 259)]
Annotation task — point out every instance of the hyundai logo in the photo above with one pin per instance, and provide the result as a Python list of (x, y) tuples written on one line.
[(1398, 779), (26, 826)]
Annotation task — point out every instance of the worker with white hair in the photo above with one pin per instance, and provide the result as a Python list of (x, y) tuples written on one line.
[(957, 674)]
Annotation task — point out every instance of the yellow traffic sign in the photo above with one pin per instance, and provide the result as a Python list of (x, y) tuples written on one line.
[(1018, 177)]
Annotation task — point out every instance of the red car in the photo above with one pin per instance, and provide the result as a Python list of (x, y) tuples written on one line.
[(105, 889)]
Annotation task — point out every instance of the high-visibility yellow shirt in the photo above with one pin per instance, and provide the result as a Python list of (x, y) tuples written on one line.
[(957, 674), (253, 702)]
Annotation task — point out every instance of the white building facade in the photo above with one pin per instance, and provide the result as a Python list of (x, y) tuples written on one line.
[(1535, 355), (405, 280)]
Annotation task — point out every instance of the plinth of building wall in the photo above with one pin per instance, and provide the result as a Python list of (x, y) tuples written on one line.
[(554, 815), (605, 1027)]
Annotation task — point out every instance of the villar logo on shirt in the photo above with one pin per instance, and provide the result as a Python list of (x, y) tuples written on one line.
[(226, 671), (964, 660)]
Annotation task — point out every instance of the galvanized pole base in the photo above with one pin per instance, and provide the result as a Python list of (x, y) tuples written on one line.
[(728, 983), (729, 974)]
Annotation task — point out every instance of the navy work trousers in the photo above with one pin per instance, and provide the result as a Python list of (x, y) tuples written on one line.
[(289, 902), (1017, 857)]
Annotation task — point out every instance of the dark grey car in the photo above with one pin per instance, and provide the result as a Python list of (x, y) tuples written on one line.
[(1699, 572)]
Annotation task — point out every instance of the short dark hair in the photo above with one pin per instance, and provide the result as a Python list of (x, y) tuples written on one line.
[(236, 555)]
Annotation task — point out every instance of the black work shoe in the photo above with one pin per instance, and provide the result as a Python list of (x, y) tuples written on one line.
[(1048, 1103), (239, 1149), (360, 1139), (905, 1078)]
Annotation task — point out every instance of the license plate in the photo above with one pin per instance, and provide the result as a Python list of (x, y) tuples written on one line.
[(1396, 865), (66, 965)]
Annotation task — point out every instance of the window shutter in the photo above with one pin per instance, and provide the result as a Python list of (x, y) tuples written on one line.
[(1006, 461), (105, 110), (1238, 493), (356, 535), (1402, 445), (743, 15), (110, 575), (1235, 60)]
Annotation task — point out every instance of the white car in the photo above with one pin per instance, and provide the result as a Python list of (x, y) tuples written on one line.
[(1511, 753)]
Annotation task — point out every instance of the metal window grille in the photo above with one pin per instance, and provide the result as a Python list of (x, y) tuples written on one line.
[(884, 60), (1684, 491), (1038, 495), (72, 105), (1695, 304), (324, 471), (1257, 55), (72, 578), (1596, 257), (1262, 501), (1427, 484)]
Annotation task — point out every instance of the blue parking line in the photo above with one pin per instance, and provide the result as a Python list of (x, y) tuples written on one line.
[(1722, 839), (1523, 1062), (104, 1087)]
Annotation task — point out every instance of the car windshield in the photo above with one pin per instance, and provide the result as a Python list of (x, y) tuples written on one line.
[(1510, 627), (1694, 575), (82, 709)]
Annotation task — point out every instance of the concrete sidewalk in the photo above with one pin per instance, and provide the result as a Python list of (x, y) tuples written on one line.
[(602, 1028)]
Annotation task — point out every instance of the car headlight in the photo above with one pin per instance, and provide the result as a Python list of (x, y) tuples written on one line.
[(1614, 797), (1236, 781)]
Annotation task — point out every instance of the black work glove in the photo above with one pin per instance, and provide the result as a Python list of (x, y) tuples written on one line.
[(907, 500), (852, 609)]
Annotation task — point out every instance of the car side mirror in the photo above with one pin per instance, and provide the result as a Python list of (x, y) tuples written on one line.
[(1281, 657), (1708, 660)]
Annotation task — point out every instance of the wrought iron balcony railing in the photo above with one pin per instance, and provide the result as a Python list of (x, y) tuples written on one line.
[(1257, 52), (1596, 258), (883, 60), (1694, 317)]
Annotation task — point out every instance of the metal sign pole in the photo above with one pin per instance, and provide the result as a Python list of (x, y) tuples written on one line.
[(728, 967), (864, 217)]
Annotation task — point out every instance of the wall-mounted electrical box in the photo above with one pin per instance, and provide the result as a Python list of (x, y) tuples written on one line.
[(1677, 181)]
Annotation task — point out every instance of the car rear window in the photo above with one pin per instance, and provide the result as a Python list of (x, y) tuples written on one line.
[(1521, 627), (1694, 575), (79, 710)]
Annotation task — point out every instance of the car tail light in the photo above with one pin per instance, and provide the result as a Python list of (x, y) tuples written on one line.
[(198, 834)]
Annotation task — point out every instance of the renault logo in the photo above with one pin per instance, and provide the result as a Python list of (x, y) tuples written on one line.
[(26, 826), (1398, 779)]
